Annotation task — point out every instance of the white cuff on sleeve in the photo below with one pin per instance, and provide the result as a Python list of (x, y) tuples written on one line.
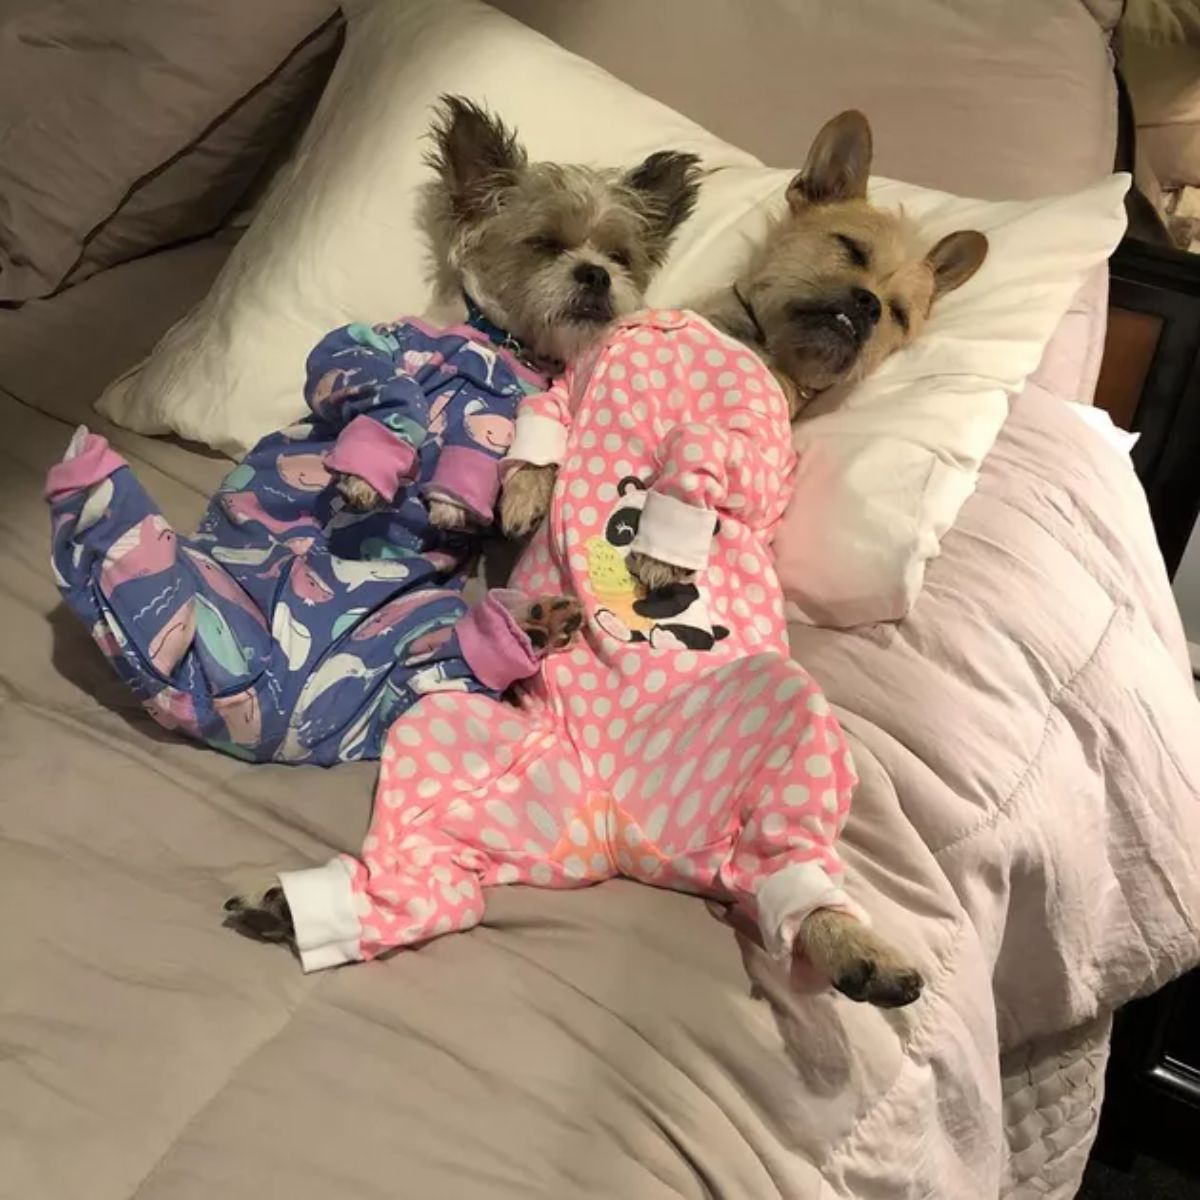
[(793, 894), (322, 904), (537, 440), (675, 532)]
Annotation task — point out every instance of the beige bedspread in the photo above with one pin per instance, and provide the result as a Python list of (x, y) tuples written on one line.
[(1027, 823)]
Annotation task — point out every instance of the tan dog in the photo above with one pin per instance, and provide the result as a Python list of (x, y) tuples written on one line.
[(835, 287), (838, 285)]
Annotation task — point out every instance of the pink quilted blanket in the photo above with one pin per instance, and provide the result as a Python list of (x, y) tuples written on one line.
[(1029, 813)]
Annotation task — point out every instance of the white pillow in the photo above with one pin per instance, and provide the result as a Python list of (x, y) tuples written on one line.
[(337, 241), (885, 468)]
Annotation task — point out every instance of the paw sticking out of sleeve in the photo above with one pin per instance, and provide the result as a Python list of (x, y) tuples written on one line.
[(445, 514), (653, 574), (268, 919), (358, 493), (526, 499), (550, 622), (858, 961)]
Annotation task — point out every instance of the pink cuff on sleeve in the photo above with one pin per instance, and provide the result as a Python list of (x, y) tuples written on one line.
[(93, 461), (366, 449), (469, 477), (496, 648)]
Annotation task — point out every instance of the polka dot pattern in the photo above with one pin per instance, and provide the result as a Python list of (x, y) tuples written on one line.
[(701, 769)]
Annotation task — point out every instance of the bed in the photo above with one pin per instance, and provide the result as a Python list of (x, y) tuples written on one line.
[(1027, 821)]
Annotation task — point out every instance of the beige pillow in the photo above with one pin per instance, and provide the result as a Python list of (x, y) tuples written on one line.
[(337, 240), (1160, 59), (126, 126), (1003, 99), (1164, 81), (196, 192)]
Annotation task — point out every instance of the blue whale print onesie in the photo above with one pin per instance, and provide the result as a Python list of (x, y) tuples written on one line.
[(290, 628)]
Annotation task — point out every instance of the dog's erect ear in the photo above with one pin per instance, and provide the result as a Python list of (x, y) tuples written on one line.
[(955, 259), (667, 184), (475, 153), (837, 166)]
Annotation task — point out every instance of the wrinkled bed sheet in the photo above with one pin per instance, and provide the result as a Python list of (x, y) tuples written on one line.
[(1027, 824)]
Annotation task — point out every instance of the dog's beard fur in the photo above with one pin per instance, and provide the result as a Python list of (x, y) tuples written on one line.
[(838, 285), (552, 253)]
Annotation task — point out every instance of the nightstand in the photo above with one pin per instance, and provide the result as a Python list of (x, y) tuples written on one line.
[(1152, 1086), (1150, 379)]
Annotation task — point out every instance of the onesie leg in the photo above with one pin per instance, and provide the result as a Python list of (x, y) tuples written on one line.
[(94, 499), (794, 801), (472, 793), (749, 809), (177, 628), (740, 777), (484, 649), (423, 642), (109, 543)]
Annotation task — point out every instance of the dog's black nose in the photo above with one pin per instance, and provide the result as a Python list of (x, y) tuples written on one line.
[(866, 304), (594, 277)]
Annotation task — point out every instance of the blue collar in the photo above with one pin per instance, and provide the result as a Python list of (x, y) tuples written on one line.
[(494, 334)]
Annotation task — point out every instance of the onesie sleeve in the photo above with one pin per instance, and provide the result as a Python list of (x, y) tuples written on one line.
[(740, 464), (359, 381), (478, 434), (541, 434)]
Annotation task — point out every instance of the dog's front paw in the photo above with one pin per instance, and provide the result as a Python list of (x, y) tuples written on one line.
[(653, 574), (525, 500), (268, 919), (445, 514), (358, 493), (550, 622)]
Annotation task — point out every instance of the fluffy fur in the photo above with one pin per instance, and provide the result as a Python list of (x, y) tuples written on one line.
[(551, 252)]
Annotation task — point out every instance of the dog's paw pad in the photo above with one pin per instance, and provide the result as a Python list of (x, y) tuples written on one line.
[(886, 987), (898, 988), (551, 622)]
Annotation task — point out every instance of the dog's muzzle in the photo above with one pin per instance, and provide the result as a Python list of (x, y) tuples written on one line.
[(851, 317)]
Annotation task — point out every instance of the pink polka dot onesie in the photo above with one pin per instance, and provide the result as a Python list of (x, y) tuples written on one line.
[(676, 743)]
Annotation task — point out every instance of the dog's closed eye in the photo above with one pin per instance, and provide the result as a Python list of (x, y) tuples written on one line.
[(899, 314), (546, 243), (856, 252)]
